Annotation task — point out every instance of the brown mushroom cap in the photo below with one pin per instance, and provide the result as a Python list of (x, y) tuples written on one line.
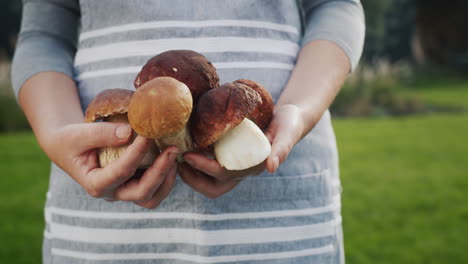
[(221, 109), (160, 108), (108, 102), (187, 66), (263, 114)]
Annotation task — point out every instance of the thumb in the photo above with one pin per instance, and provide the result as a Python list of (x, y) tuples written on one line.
[(279, 152), (85, 137)]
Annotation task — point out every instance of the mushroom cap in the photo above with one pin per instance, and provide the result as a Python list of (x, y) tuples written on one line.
[(160, 108), (187, 66), (221, 109), (107, 103), (263, 114)]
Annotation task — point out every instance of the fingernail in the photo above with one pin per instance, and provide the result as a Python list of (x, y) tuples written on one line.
[(275, 163), (123, 131)]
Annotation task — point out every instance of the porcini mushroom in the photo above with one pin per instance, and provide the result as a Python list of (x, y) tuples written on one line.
[(160, 109), (187, 66), (263, 114), (111, 105), (220, 118)]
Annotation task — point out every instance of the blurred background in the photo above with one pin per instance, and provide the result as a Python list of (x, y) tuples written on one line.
[(401, 122)]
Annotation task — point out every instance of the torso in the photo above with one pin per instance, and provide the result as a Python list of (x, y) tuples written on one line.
[(251, 39)]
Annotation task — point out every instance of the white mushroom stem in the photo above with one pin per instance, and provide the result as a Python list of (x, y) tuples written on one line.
[(107, 155), (182, 140), (242, 147)]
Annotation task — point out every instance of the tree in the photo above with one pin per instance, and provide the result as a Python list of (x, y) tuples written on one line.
[(442, 31), (389, 28), (10, 16)]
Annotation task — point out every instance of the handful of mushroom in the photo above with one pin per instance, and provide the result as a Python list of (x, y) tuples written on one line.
[(230, 118)]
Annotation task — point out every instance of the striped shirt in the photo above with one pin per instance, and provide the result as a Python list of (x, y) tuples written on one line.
[(292, 216)]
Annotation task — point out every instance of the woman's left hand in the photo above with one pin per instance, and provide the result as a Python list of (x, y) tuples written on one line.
[(208, 177)]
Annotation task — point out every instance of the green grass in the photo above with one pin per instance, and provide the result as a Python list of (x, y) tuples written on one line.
[(440, 92), (11, 117), (23, 185), (405, 189)]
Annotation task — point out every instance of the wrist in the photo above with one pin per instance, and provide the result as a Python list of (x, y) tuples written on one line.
[(297, 116), (47, 138)]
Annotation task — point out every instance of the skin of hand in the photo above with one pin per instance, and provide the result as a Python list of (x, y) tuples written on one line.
[(50, 102), (321, 70)]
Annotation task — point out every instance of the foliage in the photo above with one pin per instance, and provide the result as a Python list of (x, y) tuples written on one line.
[(440, 26), (10, 16), (389, 29), (375, 91), (385, 89), (442, 89)]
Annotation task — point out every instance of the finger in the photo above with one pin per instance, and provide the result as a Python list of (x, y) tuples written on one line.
[(207, 165), (204, 184), (280, 149), (143, 188), (96, 135), (273, 161), (282, 145), (258, 169), (214, 169), (102, 181), (272, 129), (163, 191)]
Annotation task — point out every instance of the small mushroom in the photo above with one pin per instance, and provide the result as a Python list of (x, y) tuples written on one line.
[(111, 105), (160, 109), (263, 114), (220, 118), (187, 66)]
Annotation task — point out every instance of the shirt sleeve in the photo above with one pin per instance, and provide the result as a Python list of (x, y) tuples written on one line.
[(47, 40), (339, 21)]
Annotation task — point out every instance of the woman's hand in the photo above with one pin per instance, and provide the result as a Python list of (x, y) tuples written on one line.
[(73, 148), (51, 103), (284, 131), (208, 177)]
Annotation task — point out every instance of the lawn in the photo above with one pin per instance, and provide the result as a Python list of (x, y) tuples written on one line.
[(404, 199), (451, 92), (405, 189), (23, 185)]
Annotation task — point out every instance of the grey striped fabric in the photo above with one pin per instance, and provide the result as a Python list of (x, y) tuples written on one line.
[(292, 216)]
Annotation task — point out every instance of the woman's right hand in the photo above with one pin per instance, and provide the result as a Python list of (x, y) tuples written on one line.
[(73, 148)]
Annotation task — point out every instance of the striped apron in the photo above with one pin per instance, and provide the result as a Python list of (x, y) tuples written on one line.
[(292, 216)]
